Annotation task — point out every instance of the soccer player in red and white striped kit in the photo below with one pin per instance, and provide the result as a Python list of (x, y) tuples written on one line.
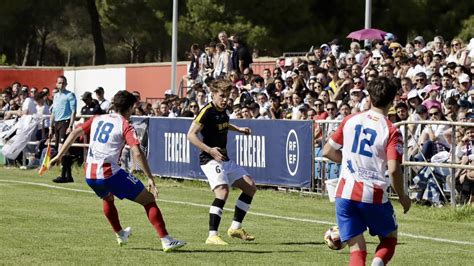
[(108, 135), (370, 145)]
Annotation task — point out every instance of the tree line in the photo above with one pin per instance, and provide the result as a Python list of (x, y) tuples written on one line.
[(95, 32)]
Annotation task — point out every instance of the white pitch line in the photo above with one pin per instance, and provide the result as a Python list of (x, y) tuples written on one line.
[(436, 239)]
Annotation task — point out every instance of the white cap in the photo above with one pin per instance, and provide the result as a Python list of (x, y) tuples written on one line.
[(463, 77), (412, 94)]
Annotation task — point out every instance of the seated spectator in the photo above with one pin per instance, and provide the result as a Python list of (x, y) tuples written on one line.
[(465, 178), (297, 104), (433, 139), (194, 107), (156, 109), (432, 91), (236, 112), (246, 112), (91, 107), (276, 110)]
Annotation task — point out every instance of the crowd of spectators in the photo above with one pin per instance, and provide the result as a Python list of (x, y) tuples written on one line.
[(434, 81)]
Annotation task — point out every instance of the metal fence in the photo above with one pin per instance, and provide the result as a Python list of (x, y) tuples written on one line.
[(324, 169), (454, 165)]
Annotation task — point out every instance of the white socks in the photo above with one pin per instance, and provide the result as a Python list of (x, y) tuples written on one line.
[(235, 225), (212, 233)]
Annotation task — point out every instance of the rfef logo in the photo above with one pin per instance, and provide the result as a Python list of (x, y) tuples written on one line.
[(292, 152)]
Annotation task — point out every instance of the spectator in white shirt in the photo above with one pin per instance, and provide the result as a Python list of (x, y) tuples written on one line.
[(104, 104)]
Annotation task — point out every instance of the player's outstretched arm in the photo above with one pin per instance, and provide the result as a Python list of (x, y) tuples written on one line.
[(245, 130), (395, 172), (67, 144), (193, 132)]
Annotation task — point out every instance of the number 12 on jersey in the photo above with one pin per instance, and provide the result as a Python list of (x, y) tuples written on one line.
[(359, 144), (102, 132)]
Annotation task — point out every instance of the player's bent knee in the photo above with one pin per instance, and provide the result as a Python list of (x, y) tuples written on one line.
[(144, 198), (252, 186), (109, 197), (221, 192)]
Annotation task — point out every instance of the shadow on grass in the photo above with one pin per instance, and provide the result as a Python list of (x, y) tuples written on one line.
[(302, 243), (184, 250)]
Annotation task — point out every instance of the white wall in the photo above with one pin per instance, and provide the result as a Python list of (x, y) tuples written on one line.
[(80, 81)]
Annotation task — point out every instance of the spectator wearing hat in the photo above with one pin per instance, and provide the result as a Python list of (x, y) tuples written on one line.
[(464, 86), (419, 42), (396, 49), (104, 103), (91, 107), (414, 100), (356, 98), (432, 91), (392, 115)]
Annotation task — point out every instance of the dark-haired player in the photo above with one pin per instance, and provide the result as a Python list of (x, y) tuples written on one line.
[(108, 135), (370, 144), (212, 123)]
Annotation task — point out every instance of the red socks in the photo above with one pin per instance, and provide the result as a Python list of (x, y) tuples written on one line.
[(112, 215), (386, 249), (357, 258), (154, 215)]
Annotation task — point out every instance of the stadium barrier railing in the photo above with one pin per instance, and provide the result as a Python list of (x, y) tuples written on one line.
[(322, 171)]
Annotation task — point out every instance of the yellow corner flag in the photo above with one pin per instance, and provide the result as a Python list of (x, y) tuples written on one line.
[(45, 165)]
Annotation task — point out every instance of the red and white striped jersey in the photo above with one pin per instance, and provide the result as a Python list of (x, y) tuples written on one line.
[(368, 141), (108, 134)]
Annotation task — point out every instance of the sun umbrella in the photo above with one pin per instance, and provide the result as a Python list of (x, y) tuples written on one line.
[(367, 34)]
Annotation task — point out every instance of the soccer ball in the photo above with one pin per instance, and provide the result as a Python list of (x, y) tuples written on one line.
[(332, 239)]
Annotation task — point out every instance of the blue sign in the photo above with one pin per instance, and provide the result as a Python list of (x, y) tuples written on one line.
[(278, 152)]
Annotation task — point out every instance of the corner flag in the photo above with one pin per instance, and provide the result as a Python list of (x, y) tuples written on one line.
[(45, 165)]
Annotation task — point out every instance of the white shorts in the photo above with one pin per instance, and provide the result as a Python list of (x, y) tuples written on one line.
[(222, 173)]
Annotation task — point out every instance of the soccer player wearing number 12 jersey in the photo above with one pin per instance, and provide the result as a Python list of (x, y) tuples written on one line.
[(108, 134), (370, 144)]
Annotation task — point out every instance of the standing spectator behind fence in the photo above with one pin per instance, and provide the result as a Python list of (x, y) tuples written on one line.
[(104, 103), (62, 119), (241, 57)]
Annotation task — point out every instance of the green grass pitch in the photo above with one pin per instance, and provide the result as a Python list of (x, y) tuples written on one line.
[(47, 225)]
